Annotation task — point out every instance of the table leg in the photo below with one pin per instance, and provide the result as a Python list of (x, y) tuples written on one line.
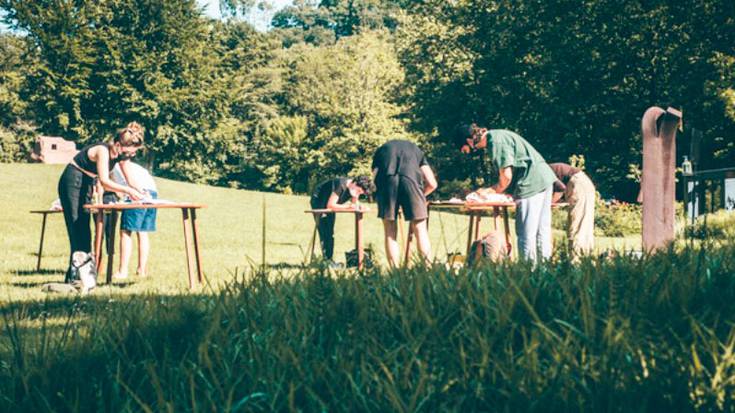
[(195, 230), (98, 231), (470, 228), (317, 217), (358, 240), (187, 235), (477, 226), (409, 239), (496, 214), (110, 234), (506, 222), (40, 245)]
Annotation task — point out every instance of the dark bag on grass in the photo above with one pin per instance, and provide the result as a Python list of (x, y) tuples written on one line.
[(490, 247), (367, 258)]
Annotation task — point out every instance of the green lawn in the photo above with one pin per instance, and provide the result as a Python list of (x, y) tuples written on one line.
[(230, 234)]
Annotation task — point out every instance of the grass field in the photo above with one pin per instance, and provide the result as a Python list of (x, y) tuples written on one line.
[(616, 334), (231, 234)]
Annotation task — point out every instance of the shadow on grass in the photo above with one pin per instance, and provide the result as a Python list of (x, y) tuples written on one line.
[(286, 266), (43, 271)]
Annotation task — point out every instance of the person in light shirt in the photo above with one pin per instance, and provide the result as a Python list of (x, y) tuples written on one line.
[(141, 221)]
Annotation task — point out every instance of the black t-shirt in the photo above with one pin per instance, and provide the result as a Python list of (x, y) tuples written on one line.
[(325, 189), (398, 157), (82, 159)]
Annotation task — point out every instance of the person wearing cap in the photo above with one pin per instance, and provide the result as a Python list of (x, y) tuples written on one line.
[(520, 171), (403, 179), (576, 188), (336, 194)]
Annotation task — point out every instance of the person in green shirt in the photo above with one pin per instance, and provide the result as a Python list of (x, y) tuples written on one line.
[(521, 172)]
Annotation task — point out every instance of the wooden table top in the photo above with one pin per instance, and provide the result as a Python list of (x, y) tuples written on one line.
[(46, 211), (478, 206), (139, 205)]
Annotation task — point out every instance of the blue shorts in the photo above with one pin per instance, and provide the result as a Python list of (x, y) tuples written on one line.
[(140, 220)]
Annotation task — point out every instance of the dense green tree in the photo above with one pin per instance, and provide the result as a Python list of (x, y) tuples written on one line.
[(336, 109), (16, 132), (323, 21), (102, 64), (574, 78)]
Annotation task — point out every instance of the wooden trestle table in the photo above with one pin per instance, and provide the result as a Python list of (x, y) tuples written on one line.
[(188, 217)]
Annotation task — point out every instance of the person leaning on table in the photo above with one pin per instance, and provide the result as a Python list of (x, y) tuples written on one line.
[(403, 179), (576, 188), (521, 172), (338, 194), (77, 183)]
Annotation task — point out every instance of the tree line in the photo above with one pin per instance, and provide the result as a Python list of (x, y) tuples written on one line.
[(331, 80)]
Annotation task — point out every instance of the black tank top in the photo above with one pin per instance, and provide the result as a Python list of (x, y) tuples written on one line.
[(82, 159)]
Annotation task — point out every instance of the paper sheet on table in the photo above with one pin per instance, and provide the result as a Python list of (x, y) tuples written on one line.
[(475, 197)]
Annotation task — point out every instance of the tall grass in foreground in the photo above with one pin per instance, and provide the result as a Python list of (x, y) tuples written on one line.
[(623, 334)]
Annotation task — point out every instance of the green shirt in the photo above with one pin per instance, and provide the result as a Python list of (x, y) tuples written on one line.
[(531, 173)]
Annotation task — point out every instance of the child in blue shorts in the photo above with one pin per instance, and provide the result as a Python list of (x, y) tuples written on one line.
[(140, 221)]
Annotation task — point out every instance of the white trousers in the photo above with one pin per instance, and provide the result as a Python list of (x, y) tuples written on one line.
[(533, 226)]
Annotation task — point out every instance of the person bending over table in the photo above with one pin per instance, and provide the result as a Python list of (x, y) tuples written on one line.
[(522, 172), (338, 194), (403, 179), (87, 172), (576, 188), (141, 221)]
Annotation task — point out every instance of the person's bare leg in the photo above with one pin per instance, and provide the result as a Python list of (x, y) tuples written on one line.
[(421, 233), (126, 249), (144, 247), (392, 249)]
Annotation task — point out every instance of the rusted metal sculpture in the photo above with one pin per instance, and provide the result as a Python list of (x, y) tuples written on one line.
[(657, 183)]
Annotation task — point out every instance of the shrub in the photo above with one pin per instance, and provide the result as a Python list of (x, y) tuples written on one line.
[(720, 225), (16, 143), (612, 218)]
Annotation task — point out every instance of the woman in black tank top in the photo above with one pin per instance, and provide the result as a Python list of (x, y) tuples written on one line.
[(94, 163)]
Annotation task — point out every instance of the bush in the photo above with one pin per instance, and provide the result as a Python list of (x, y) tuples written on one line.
[(612, 218), (720, 225), (16, 143), (617, 219)]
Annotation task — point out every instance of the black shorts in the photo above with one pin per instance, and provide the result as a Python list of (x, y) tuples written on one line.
[(401, 192)]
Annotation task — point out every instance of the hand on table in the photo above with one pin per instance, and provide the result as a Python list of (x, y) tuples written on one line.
[(135, 195)]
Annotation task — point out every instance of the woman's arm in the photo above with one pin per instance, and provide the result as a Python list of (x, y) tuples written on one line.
[(101, 155)]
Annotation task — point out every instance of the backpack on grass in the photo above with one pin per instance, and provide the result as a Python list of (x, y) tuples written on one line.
[(491, 247), (82, 274)]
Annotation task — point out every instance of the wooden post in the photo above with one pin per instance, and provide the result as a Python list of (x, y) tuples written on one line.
[(40, 245), (657, 182)]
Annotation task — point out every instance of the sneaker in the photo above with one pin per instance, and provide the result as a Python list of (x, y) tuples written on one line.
[(336, 265)]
